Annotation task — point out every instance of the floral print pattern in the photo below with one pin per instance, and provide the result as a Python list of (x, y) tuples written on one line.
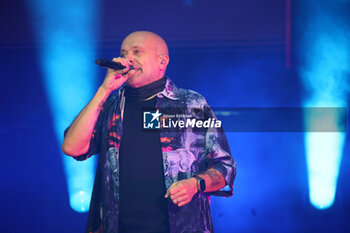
[(185, 153)]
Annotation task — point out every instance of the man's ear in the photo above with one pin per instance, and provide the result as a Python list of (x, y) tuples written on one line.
[(164, 61)]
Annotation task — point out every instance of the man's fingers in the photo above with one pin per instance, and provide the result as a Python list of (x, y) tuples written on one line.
[(178, 187), (167, 194), (170, 188), (179, 194), (128, 73), (122, 62), (180, 199)]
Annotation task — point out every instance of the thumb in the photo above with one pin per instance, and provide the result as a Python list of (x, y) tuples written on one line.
[(167, 193)]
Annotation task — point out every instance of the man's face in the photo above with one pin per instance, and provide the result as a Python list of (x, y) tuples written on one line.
[(140, 49)]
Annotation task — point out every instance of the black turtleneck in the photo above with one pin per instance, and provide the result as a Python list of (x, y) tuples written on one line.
[(143, 207), (144, 92)]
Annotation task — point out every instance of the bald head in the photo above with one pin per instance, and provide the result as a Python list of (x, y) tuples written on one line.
[(153, 40)]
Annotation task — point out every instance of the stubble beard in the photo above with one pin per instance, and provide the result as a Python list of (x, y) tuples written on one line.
[(136, 79)]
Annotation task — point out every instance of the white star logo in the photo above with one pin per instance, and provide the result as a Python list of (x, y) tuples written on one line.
[(156, 115)]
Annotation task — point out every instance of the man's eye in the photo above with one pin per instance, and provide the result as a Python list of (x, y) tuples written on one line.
[(136, 51)]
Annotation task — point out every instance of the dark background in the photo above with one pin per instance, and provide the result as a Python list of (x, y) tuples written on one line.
[(232, 52)]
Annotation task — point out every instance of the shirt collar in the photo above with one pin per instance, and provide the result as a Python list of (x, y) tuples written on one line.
[(170, 91)]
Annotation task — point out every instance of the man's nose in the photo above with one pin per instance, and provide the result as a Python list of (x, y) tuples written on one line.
[(130, 60)]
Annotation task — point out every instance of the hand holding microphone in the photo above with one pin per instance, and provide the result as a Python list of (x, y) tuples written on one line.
[(119, 71)]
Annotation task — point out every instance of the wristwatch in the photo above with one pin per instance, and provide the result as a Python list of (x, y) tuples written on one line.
[(200, 183)]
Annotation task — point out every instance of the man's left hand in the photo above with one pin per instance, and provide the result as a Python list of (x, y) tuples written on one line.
[(182, 192)]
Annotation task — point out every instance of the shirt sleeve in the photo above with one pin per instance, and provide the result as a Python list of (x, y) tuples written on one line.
[(220, 157), (95, 141)]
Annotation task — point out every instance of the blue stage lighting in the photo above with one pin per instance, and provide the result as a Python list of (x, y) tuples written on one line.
[(325, 53), (66, 31), (324, 153)]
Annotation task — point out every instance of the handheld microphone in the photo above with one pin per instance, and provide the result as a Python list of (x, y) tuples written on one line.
[(111, 64)]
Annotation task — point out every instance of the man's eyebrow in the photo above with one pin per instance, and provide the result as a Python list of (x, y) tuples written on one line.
[(133, 47)]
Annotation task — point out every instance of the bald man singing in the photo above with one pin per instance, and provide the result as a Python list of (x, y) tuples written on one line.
[(149, 181)]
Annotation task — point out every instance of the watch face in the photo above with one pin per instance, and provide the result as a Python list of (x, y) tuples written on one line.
[(202, 184)]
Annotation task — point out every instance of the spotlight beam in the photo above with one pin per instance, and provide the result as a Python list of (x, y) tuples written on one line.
[(66, 32), (325, 51)]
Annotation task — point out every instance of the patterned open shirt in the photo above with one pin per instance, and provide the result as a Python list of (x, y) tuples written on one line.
[(185, 153)]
